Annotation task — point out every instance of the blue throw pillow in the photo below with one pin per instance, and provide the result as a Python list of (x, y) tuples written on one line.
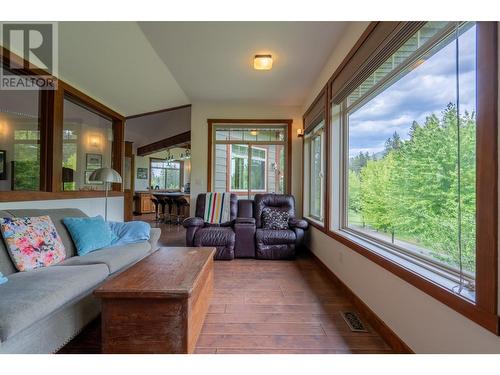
[(89, 233), (130, 232), (3, 279)]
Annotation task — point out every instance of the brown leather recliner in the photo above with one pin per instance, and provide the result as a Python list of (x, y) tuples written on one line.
[(282, 243), (221, 236)]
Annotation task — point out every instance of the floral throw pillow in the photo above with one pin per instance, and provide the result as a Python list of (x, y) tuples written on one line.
[(273, 218), (32, 242)]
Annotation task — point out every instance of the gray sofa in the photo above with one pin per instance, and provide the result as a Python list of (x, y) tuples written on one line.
[(41, 310)]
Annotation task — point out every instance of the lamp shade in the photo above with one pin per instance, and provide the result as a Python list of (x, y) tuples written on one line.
[(106, 175)]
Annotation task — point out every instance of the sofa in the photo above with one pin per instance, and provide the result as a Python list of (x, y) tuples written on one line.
[(244, 236), (43, 309)]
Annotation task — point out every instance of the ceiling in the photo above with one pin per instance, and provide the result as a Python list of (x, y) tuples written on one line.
[(142, 67), (114, 63), (213, 60)]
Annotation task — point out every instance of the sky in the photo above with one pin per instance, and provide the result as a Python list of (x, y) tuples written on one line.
[(427, 89)]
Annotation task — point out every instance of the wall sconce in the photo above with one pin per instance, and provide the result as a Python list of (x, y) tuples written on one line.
[(4, 129), (300, 132), (95, 141)]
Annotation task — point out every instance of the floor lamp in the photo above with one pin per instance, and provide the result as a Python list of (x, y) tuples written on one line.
[(108, 176)]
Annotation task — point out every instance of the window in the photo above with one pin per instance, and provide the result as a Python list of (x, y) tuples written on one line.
[(408, 157), (240, 154), (314, 164), (165, 175), (87, 145), (248, 158), (19, 140)]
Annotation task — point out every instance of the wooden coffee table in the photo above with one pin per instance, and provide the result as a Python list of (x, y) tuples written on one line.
[(159, 304)]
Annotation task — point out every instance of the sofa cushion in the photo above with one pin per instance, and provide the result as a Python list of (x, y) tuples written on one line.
[(115, 258), (214, 236), (31, 296), (6, 265), (89, 233), (274, 237), (56, 214), (32, 242)]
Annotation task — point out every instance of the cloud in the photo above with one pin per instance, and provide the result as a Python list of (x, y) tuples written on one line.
[(425, 90)]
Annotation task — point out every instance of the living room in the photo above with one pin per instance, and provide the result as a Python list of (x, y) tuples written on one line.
[(294, 186)]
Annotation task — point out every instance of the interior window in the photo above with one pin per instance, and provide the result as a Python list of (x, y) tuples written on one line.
[(87, 145), (19, 140)]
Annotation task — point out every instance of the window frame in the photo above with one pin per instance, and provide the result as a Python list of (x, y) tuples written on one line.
[(180, 169), (484, 311), (256, 123), (250, 158), (318, 130)]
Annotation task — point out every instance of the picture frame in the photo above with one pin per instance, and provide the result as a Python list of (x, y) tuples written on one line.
[(3, 165), (142, 173), (87, 179), (93, 162)]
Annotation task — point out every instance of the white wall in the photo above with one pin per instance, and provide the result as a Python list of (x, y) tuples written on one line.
[(91, 206), (201, 111), (422, 322)]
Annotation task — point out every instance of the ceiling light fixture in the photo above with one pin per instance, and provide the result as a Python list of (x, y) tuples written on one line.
[(263, 62)]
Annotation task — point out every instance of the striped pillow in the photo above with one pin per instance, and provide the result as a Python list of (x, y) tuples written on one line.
[(217, 208)]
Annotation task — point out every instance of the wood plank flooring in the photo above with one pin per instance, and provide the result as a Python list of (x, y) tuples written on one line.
[(280, 307), (273, 307)]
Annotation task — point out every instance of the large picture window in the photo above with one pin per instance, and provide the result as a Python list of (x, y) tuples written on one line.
[(408, 156), (249, 159)]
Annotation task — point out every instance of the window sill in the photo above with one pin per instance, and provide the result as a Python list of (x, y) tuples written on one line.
[(427, 285), (23, 196), (315, 223)]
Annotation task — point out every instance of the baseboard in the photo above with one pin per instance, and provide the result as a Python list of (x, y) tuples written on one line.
[(393, 340)]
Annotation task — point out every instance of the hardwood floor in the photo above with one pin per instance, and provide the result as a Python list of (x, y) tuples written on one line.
[(267, 307)]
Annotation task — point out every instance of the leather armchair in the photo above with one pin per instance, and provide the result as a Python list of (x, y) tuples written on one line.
[(277, 244), (221, 236)]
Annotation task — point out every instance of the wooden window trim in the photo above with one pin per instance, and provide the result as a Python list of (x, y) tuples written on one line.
[(318, 110), (485, 309), (287, 122), (51, 137)]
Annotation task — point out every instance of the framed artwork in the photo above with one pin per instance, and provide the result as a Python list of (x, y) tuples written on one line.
[(142, 173), (3, 165), (87, 179), (94, 161)]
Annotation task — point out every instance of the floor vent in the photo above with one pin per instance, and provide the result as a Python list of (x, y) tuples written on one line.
[(353, 321)]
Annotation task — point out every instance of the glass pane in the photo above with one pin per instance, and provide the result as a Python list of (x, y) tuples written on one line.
[(19, 140), (316, 193), (239, 167), (158, 178), (258, 173), (403, 165), (220, 167), (87, 143), (429, 30)]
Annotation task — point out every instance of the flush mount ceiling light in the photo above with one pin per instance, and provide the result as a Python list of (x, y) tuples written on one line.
[(262, 62)]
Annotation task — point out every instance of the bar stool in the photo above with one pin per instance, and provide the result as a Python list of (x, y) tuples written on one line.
[(163, 203), (180, 203), (156, 204), (169, 203)]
